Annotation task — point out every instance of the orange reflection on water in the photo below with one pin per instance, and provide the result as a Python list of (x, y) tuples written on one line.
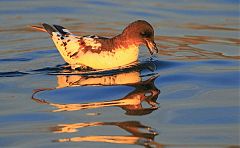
[(132, 103), (108, 139), (145, 91), (209, 27), (118, 79), (182, 48), (140, 134)]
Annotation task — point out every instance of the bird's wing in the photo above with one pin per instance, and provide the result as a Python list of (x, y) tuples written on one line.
[(71, 46)]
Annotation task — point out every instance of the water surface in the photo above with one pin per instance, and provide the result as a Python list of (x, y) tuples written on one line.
[(186, 96)]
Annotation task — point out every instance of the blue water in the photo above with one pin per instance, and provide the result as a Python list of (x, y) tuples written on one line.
[(185, 96)]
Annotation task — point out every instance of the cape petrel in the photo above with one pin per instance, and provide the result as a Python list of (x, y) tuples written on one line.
[(100, 52)]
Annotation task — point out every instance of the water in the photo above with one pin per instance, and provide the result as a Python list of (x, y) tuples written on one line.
[(186, 96)]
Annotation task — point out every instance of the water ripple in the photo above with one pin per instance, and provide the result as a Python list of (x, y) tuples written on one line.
[(13, 74)]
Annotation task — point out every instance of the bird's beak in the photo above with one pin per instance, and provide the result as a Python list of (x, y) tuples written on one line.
[(152, 47)]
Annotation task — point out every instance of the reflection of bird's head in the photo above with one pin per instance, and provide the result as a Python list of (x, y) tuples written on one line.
[(138, 129), (145, 91)]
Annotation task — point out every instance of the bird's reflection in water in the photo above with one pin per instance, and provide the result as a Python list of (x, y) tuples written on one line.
[(117, 79), (132, 103), (145, 91), (139, 134)]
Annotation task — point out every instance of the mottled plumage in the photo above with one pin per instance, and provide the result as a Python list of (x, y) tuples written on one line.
[(100, 52)]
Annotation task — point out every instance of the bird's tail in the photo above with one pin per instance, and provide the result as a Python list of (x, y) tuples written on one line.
[(55, 28), (38, 28)]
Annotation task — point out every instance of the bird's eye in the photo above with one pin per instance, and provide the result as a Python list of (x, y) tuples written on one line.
[(146, 34)]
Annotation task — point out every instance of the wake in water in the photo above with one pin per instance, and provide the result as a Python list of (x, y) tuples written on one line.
[(150, 65)]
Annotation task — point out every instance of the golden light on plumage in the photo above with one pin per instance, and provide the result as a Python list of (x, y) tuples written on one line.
[(100, 52)]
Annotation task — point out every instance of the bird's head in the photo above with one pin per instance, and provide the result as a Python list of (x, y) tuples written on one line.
[(141, 33)]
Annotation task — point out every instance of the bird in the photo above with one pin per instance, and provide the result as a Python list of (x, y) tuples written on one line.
[(102, 53)]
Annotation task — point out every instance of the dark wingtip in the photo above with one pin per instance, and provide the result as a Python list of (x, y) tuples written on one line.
[(48, 28), (60, 29)]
